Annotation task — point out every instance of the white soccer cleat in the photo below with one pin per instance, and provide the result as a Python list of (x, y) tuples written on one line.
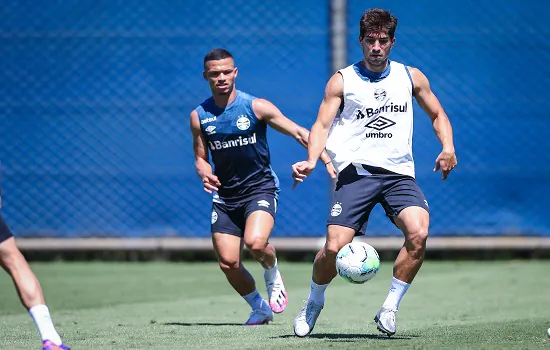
[(276, 294), (305, 321), (385, 321), (259, 317)]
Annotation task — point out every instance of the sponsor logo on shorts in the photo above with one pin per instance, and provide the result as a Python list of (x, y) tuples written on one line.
[(263, 203), (214, 217), (336, 209)]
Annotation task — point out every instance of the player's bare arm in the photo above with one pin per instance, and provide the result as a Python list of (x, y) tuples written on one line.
[(446, 160), (270, 114), (332, 99), (202, 164)]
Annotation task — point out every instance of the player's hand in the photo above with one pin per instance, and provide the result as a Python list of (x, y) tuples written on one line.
[(210, 183), (446, 161), (301, 170), (331, 170)]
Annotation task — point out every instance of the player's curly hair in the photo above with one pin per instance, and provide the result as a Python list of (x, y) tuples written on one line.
[(377, 20)]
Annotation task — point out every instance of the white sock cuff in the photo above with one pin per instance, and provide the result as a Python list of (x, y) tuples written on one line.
[(396, 281), (39, 310), (318, 286), (253, 294)]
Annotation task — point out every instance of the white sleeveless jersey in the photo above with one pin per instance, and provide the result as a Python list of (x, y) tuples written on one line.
[(375, 126)]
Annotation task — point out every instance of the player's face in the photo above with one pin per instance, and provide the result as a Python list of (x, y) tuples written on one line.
[(376, 48), (220, 75)]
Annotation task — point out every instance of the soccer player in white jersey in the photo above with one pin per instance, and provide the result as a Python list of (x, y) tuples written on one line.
[(371, 146)]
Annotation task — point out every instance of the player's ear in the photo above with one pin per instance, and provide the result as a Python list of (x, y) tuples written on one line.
[(236, 71), (360, 39), (204, 75)]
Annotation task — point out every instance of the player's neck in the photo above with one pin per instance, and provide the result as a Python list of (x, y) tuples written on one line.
[(376, 69), (223, 100)]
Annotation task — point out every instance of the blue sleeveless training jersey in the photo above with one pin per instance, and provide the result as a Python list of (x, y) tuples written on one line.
[(238, 144)]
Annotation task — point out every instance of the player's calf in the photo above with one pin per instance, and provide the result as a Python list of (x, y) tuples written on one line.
[(324, 266)]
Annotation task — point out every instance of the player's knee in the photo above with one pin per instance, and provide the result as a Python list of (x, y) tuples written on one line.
[(331, 249), (256, 245), (10, 258), (417, 237), (229, 265)]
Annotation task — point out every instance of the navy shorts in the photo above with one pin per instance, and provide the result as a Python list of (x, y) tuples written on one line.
[(5, 232), (355, 196), (231, 218)]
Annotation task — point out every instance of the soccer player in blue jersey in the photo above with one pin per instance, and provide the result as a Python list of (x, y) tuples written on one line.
[(232, 125), (28, 288)]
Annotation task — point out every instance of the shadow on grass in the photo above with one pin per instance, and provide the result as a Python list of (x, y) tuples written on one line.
[(350, 337), (200, 324)]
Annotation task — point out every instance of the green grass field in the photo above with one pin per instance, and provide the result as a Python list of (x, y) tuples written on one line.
[(451, 305)]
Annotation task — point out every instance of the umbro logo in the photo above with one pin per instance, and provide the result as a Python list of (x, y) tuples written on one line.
[(380, 123), (263, 203), (211, 129)]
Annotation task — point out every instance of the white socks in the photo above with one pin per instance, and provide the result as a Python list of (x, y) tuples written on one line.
[(271, 274), (255, 300), (397, 291), (317, 293), (41, 316)]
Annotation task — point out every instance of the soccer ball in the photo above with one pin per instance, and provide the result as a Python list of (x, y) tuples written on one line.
[(357, 262)]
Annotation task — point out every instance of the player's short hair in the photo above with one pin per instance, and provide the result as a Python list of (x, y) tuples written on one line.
[(377, 20), (217, 54)]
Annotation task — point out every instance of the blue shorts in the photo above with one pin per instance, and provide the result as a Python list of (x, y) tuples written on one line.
[(355, 196), (5, 232), (231, 218)]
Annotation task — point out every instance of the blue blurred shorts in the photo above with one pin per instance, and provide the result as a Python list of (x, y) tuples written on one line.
[(355, 196), (5, 232), (231, 218)]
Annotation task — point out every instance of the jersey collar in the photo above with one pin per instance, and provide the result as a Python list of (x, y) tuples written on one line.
[(368, 75)]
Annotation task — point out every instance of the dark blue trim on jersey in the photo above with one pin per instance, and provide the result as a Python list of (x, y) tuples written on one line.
[(368, 75), (217, 110), (410, 77)]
